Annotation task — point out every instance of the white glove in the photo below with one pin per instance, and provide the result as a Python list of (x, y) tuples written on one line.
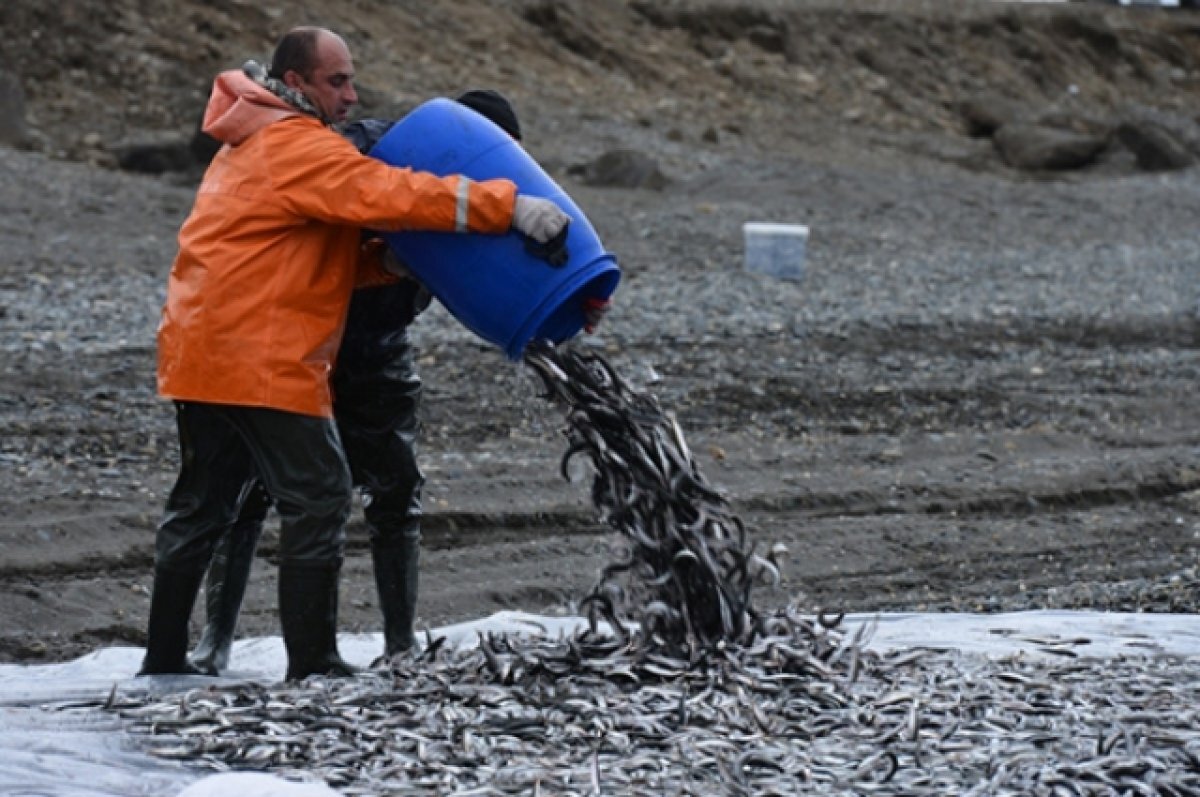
[(538, 218)]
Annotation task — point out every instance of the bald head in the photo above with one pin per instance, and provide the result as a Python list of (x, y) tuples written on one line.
[(317, 63)]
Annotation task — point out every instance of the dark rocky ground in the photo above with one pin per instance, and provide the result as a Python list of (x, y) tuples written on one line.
[(982, 395)]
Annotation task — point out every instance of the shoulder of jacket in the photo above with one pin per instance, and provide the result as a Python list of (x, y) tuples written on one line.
[(299, 124), (304, 133)]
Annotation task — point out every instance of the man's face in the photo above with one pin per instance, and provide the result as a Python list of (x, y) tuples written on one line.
[(330, 87)]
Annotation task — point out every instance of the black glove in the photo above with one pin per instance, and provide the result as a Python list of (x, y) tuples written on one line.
[(553, 251)]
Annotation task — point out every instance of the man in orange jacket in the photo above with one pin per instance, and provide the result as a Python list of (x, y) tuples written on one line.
[(256, 304), (377, 392)]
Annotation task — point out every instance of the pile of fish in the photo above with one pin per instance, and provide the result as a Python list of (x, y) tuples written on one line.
[(688, 565), (593, 715), (677, 685)]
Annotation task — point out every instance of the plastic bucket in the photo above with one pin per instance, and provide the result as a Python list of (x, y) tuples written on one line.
[(775, 249), (490, 283)]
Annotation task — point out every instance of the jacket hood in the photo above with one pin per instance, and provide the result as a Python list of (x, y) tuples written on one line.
[(239, 107)]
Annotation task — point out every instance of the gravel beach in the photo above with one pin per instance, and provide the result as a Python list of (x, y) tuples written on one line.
[(980, 396)]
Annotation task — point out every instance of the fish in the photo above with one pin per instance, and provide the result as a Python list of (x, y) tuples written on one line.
[(679, 684)]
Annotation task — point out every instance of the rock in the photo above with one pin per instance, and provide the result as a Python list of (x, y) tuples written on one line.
[(622, 168), (202, 146), (155, 153), (1155, 148), (1075, 117), (1033, 147), (1160, 141), (986, 112), (770, 37), (13, 131), (1092, 30)]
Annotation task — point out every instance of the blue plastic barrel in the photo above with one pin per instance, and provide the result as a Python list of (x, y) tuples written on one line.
[(490, 283)]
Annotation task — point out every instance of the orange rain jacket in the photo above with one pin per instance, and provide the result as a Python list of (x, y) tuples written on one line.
[(258, 295)]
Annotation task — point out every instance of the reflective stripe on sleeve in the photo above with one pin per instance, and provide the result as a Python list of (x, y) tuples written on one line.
[(464, 204)]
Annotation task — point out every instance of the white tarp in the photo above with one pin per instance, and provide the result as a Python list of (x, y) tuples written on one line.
[(46, 751)]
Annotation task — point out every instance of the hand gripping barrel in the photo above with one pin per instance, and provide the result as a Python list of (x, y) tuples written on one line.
[(491, 283)]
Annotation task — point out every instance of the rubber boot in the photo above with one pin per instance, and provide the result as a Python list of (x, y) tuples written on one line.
[(167, 631), (308, 601), (396, 580), (228, 575)]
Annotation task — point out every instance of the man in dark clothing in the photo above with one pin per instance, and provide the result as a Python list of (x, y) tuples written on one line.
[(377, 393)]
